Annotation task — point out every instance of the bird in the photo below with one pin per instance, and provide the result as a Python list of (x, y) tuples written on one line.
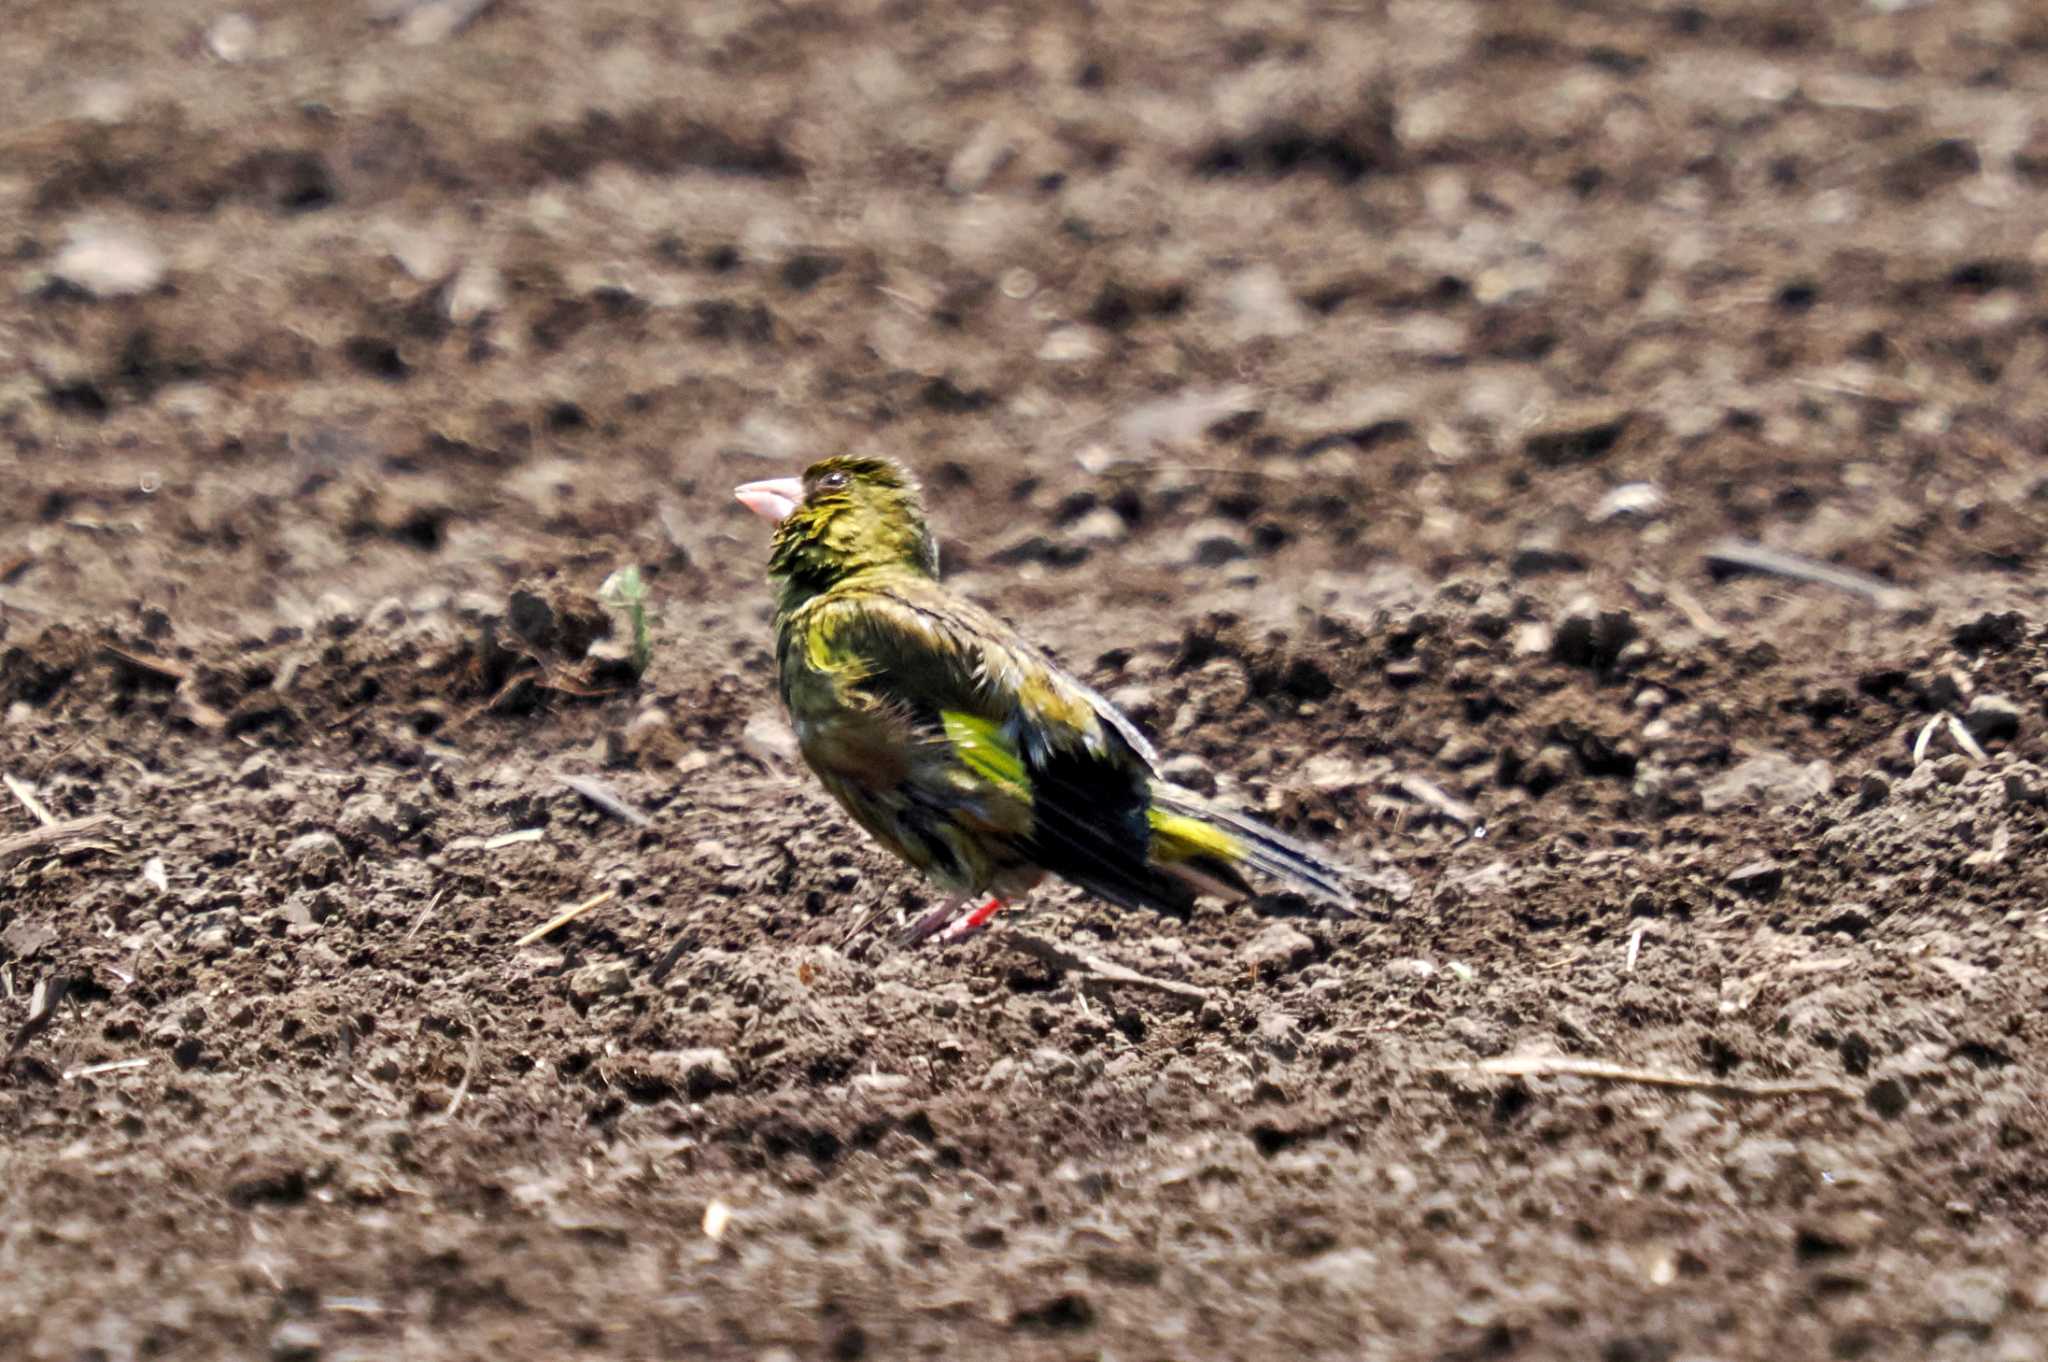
[(963, 747)]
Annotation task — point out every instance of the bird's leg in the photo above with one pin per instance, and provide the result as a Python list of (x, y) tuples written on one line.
[(952, 919), (935, 921)]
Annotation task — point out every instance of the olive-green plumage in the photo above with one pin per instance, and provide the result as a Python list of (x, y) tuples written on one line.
[(963, 748)]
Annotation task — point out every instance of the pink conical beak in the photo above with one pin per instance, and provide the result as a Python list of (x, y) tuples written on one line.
[(773, 499)]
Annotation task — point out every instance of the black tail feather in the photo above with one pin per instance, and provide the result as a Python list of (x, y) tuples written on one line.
[(1267, 850)]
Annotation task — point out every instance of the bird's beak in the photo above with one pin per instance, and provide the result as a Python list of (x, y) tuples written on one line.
[(773, 499)]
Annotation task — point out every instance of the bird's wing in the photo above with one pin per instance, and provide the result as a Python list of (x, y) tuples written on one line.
[(1008, 715), (928, 653)]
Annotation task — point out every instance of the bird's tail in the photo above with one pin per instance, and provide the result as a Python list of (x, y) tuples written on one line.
[(1210, 846)]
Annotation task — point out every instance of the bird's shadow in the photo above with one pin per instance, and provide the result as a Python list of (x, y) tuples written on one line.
[(1286, 905)]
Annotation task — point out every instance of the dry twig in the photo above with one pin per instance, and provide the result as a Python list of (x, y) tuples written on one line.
[(42, 1010), (108, 1067), (50, 835), (1095, 968), (565, 917), (476, 1050), (866, 922), (1570, 1066), (436, 20), (1428, 792), (1966, 740), (26, 793), (159, 667), (517, 680), (424, 914), (1925, 737), (600, 794), (1740, 555), (1695, 613)]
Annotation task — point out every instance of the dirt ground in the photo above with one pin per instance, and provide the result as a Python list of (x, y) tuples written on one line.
[(1359, 393)]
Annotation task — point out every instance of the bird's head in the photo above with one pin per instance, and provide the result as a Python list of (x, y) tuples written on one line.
[(844, 515)]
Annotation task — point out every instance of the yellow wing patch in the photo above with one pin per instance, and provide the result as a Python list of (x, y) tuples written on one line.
[(979, 744), (1176, 837)]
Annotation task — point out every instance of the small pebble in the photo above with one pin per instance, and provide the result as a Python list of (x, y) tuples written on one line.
[(1260, 305), (606, 979), (1100, 528), (1279, 948), (878, 1085), (256, 773), (1190, 772), (295, 1340), (1462, 749), (109, 262), (1770, 780), (1280, 1036), (1549, 768), (1758, 879), (231, 37), (609, 662), (979, 157), (368, 817), (310, 845), (1211, 543), (1535, 558), (478, 291), (768, 739), (1050, 1063), (317, 856), (704, 1070), (1970, 1297), (1070, 345), (1586, 635), (1641, 500), (1533, 638), (1992, 717), (214, 939), (1759, 1160)]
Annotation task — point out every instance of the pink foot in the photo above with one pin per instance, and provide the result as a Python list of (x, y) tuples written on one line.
[(947, 924), (974, 921)]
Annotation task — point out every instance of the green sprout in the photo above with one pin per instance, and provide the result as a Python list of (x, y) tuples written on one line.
[(625, 591)]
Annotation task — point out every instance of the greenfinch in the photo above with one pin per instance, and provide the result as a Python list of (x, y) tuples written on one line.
[(963, 748)]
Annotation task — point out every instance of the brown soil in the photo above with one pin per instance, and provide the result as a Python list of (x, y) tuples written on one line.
[(1275, 364)]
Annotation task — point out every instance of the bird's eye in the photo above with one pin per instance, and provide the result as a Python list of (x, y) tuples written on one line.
[(833, 482)]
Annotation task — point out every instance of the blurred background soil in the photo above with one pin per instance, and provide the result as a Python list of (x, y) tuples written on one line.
[(1366, 396)]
